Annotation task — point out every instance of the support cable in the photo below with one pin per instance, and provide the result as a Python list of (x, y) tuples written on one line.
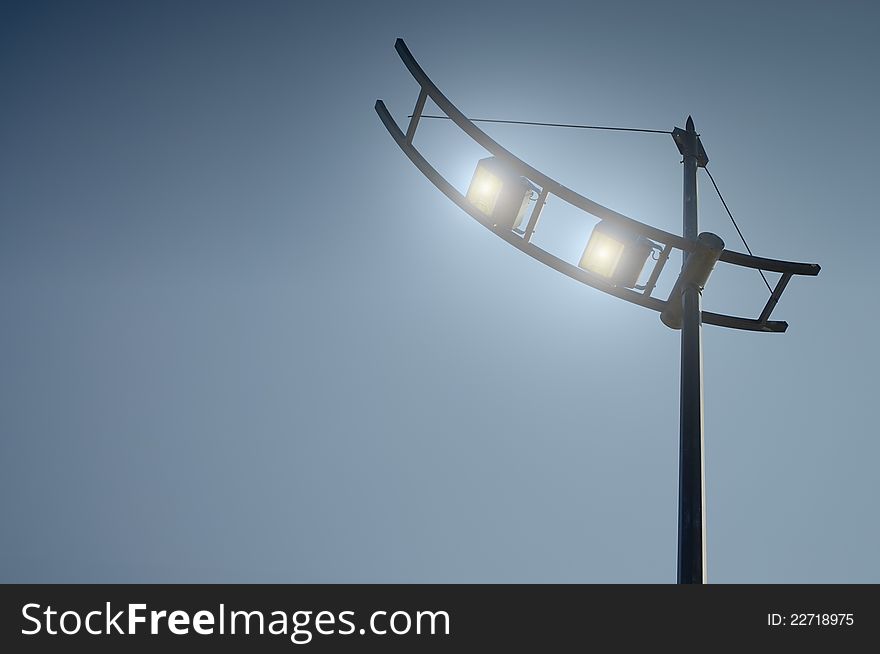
[(738, 231), (528, 122)]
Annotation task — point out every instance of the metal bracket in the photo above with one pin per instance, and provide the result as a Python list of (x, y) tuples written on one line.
[(696, 271), (687, 149)]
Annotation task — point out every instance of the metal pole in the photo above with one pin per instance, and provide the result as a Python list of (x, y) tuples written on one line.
[(691, 471)]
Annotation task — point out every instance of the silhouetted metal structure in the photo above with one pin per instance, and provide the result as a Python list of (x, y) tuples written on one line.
[(680, 310)]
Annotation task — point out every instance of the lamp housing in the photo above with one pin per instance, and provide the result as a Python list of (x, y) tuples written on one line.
[(616, 254), (499, 193)]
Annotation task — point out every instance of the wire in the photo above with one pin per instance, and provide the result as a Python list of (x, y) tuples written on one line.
[(738, 231), (528, 122)]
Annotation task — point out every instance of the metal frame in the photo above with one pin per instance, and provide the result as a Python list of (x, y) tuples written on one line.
[(549, 186)]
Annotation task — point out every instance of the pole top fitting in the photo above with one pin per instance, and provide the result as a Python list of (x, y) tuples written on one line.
[(689, 144)]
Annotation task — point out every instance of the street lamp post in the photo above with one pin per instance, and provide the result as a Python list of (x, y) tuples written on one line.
[(613, 261), (691, 462)]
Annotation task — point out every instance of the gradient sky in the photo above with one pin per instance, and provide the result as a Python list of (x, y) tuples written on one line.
[(244, 340)]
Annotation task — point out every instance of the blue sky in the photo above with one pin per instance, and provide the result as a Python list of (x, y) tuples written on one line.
[(243, 339)]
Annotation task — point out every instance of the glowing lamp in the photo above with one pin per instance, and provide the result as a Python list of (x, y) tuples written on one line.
[(499, 193), (615, 254)]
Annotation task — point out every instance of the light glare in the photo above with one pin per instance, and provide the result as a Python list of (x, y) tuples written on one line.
[(602, 254), (484, 190)]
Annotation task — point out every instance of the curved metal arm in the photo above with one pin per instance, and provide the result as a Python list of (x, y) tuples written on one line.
[(511, 237), (550, 186), (522, 168)]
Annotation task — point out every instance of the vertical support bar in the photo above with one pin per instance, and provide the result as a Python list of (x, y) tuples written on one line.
[(658, 268), (774, 297), (536, 213), (691, 471), (416, 116)]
